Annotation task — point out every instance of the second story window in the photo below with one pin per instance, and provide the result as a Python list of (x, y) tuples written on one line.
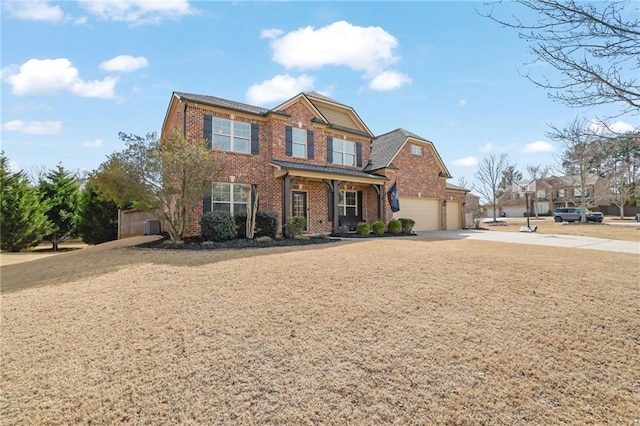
[(231, 135), (344, 152), (299, 143), (416, 150), (561, 193)]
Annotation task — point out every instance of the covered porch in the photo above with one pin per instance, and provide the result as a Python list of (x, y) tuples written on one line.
[(329, 197)]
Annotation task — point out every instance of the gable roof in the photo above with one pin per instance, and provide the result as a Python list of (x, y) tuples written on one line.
[(384, 149), (225, 103), (330, 112), (456, 187)]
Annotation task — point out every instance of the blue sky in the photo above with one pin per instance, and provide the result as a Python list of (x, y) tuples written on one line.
[(74, 74)]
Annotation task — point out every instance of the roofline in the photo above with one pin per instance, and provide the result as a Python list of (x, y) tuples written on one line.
[(428, 142)]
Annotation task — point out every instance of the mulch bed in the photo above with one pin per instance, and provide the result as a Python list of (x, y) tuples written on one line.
[(237, 243)]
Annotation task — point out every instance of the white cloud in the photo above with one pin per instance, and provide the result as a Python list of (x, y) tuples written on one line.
[(368, 49), (466, 162), (487, 147), (138, 12), (36, 10), (538, 146), (55, 76), (616, 127), (389, 80), (462, 102), (271, 33), (280, 87), (34, 127), (125, 63), (97, 143)]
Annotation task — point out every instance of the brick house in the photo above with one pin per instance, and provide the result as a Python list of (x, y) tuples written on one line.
[(546, 194), (313, 157)]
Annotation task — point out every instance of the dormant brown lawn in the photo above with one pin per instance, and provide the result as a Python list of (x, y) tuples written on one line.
[(384, 331)]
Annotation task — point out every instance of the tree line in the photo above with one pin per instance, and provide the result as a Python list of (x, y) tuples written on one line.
[(164, 176)]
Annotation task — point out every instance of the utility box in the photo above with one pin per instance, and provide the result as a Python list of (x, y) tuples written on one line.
[(152, 227)]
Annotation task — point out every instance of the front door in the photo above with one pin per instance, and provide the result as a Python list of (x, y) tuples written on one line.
[(299, 205)]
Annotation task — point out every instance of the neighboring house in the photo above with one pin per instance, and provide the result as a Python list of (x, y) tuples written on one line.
[(546, 194), (313, 157)]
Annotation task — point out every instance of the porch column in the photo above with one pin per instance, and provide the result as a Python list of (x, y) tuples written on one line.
[(286, 197), (334, 186), (380, 191)]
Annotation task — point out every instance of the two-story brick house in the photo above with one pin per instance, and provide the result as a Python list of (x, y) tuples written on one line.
[(313, 157)]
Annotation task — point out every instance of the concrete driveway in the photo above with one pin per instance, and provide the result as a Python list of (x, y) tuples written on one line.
[(569, 241)]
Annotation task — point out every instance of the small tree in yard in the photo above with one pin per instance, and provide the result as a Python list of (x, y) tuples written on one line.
[(60, 191), (23, 222), (489, 175), (581, 147), (167, 177), (97, 219)]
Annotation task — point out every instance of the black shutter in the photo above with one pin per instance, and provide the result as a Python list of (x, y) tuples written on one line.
[(330, 203), (208, 131), (288, 141), (329, 149), (255, 132), (206, 204), (310, 148), (359, 154), (359, 204)]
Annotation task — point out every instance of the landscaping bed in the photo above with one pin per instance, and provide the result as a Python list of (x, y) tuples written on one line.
[(236, 243)]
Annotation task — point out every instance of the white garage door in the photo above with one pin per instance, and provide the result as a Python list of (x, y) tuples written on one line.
[(453, 215), (513, 211), (425, 211)]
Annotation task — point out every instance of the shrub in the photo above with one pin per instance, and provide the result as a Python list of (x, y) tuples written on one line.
[(217, 226), (407, 224), (266, 224), (378, 227), (295, 226), (394, 226), (363, 228)]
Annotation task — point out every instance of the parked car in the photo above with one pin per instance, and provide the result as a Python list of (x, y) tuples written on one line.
[(573, 214)]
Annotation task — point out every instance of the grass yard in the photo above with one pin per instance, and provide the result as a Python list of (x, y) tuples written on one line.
[(369, 332), (546, 225)]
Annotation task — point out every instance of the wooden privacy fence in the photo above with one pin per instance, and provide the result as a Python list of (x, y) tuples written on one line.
[(131, 222)]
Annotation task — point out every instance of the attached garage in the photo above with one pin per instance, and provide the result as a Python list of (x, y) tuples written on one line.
[(453, 215), (425, 211)]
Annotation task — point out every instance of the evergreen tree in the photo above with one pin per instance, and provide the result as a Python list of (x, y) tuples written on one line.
[(96, 219), (60, 190), (23, 222)]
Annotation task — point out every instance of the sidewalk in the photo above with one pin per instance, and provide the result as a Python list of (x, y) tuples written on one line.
[(569, 241)]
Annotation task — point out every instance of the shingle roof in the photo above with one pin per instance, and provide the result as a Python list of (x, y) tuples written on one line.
[(317, 95), (325, 169), (385, 147), (456, 188), (225, 103)]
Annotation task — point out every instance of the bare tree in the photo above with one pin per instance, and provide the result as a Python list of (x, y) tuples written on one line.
[(595, 47), (537, 172), (464, 183), (581, 146), (489, 175), (622, 168)]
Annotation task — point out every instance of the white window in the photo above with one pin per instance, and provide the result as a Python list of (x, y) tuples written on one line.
[(541, 193), (299, 143), (416, 150), (229, 197), (344, 152), (577, 192), (514, 196), (561, 193), (348, 203), (231, 135)]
